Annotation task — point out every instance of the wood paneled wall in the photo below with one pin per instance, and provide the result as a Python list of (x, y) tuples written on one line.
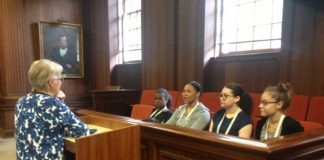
[(158, 44), (13, 48), (104, 40), (250, 71), (174, 43), (19, 48), (301, 60), (306, 56), (19, 38), (178, 43), (127, 76), (190, 41)]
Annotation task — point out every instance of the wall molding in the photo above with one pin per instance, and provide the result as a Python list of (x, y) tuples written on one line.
[(8, 101)]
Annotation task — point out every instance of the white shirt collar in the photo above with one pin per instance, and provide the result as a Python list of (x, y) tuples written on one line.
[(63, 52)]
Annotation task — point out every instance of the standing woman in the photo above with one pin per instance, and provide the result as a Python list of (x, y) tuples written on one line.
[(41, 118), (234, 117), (163, 102), (273, 104), (192, 114)]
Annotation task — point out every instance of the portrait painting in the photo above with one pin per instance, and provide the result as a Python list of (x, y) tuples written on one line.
[(62, 43)]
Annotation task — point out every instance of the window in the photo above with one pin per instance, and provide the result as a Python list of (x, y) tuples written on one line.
[(248, 26), (130, 33)]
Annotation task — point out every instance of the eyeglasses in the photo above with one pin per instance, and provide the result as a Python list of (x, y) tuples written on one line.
[(264, 103), (62, 79), (224, 96)]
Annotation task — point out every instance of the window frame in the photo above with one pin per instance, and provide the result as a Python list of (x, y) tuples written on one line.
[(121, 50), (219, 34)]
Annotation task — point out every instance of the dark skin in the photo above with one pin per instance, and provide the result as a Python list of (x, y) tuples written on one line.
[(160, 101), (190, 96)]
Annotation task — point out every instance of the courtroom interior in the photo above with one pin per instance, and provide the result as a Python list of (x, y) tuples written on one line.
[(162, 79)]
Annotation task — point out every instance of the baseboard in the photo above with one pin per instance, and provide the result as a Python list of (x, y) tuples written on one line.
[(7, 133)]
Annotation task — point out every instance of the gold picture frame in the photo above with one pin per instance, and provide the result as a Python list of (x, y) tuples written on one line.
[(63, 43)]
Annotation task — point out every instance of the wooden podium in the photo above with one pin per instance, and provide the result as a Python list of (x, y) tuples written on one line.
[(113, 140)]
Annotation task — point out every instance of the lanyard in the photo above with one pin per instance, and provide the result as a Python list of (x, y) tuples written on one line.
[(152, 115), (178, 122), (278, 127), (238, 110)]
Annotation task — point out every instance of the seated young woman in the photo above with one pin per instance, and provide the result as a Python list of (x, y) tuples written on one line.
[(234, 117), (163, 102), (192, 114), (274, 101)]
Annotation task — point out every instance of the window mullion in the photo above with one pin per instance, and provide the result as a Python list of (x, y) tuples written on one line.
[(262, 27)]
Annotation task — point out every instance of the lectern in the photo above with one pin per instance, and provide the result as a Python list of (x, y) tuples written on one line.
[(113, 140)]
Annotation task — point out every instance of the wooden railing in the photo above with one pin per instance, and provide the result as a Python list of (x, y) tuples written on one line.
[(160, 141)]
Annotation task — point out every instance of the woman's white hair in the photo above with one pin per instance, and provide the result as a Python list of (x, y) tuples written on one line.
[(41, 71)]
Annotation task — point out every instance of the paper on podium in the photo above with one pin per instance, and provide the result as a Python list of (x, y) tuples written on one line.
[(91, 126)]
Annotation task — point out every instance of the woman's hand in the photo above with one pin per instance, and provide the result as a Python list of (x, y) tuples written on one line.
[(61, 95)]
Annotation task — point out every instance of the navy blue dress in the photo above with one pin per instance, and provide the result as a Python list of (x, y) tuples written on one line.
[(241, 121), (40, 123)]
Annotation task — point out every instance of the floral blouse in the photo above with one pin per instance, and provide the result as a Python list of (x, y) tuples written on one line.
[(40, 124)]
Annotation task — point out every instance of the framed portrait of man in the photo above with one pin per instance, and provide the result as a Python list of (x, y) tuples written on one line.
[(63, 43)]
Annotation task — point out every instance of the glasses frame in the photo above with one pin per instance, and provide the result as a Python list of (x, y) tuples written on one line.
[(61, 79), (265, 103), (224, 96)]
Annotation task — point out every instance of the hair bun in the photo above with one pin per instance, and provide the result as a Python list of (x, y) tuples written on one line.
[(285, 87)]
